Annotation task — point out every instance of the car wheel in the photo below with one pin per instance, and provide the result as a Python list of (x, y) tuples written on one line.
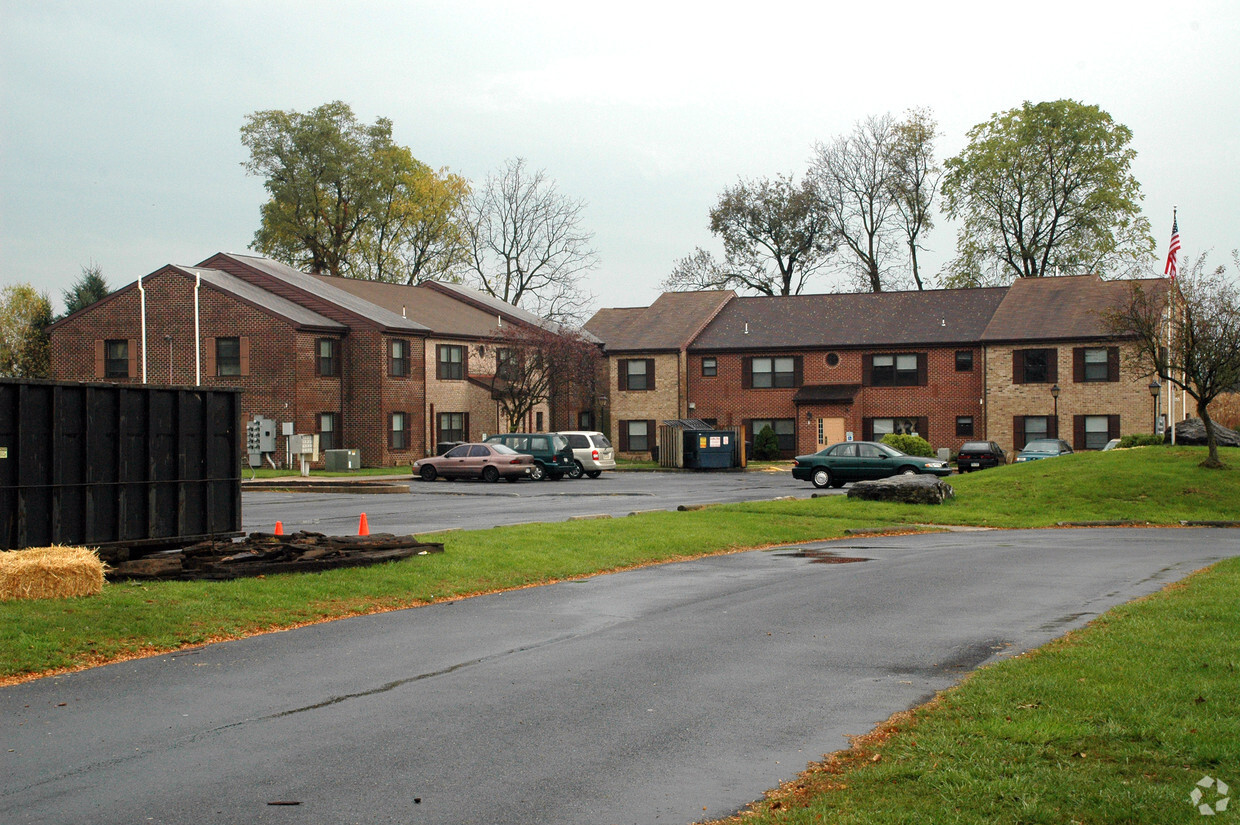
[(908, 471), (594, 473), (428, 472), (490, 474), (821, 477), (577, 470), (537, 472)]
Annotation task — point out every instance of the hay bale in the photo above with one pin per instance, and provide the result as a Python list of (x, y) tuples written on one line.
[(50, 573)]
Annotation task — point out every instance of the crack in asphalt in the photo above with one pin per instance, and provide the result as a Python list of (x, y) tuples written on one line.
[(193, 738)]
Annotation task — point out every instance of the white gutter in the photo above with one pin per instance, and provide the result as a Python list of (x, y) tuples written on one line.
[(197, 336), (142, 301)]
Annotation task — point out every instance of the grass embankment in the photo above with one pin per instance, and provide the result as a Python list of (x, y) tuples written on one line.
[(1161, 486), (1114, 723)]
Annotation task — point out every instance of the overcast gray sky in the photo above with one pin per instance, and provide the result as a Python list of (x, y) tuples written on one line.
[(119, 142)]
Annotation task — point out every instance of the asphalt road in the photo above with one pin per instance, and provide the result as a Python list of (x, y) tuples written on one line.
[(439, 505), (661, 695)]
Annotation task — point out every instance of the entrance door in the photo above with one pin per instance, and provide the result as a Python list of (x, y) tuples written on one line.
[(830, 431)]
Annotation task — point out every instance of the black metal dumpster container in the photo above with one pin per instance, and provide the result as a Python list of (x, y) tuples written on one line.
[(109, 464), (710, 449)]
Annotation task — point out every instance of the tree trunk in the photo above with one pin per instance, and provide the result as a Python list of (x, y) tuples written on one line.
[(1212, 460), (912, 251)]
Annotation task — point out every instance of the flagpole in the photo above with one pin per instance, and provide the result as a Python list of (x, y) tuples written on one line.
[(1170, 270)]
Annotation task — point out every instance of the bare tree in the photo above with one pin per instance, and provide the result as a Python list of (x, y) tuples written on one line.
[(855, 179), (1190, 339), (915, 177), (535, 364), (525, 243), (776, 234)]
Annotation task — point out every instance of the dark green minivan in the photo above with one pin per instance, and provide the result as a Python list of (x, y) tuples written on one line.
[(553, 458)]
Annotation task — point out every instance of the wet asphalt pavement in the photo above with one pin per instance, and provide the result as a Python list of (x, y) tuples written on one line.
[(662, 695)]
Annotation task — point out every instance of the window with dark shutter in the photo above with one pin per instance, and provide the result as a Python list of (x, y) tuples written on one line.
[(227, 356), (116, 358), (450, 362), (398, 358), (328, 439), (327, 357)]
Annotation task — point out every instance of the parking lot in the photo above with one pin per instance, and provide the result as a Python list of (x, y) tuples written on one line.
[(441, 505)]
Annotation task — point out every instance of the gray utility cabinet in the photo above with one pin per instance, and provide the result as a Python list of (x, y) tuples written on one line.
[(338, 461)]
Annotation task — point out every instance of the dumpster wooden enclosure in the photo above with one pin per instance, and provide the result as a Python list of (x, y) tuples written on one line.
[(101, 465)]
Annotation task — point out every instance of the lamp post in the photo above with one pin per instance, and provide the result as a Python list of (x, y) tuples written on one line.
[(1155, 390), (168, 338), (1055, 395)]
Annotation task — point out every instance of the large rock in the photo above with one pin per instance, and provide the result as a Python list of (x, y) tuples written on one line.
[(1193, 431), (914, 489)]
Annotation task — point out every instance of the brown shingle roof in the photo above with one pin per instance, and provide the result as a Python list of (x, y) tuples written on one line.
[(441, 313), (931, 317), (1064, 307), (325, 291), (670, 323)]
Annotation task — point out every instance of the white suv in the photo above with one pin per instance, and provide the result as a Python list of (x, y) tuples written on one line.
[(592, 452)]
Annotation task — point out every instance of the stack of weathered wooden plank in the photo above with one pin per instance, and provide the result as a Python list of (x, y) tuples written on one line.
[(263, 553)]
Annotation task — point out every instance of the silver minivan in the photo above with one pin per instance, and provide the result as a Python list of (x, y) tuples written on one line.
[(592, 453)]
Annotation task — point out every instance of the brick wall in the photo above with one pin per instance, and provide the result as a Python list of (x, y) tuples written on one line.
[(664, 402), (271, 379), (279, 377), (946, 395), (1129, 397)]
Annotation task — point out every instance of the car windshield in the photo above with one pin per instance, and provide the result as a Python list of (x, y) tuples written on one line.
[(1042, 447), (500, 449), (975, 447), (888, 449), (600, 440), (558, 443)]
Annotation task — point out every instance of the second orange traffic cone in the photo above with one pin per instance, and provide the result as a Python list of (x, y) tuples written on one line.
[(279, 528), (363, 529)]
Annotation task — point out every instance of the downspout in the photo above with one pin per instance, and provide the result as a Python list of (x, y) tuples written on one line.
[(142, 301), (197, 335)]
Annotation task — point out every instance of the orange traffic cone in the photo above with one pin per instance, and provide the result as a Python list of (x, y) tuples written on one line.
[(279, 528), (363, 529)]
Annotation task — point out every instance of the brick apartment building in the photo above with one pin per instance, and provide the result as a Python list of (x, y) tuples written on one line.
[(821, 368), (390, 370), (647, 377)]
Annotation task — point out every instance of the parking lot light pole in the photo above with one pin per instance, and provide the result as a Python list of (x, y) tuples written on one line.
[(1055, 395), (1155, 389)]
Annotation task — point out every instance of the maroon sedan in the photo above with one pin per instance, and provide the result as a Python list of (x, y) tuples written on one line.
[(488, 462)]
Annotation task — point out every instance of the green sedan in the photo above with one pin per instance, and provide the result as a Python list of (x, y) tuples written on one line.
[(839, 464)]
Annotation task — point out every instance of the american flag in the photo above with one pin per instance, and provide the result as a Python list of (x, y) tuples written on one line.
[(1174, 250)]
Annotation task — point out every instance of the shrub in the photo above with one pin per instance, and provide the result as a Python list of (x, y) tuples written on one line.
[(766, 445), (911, 444), (1141, 440)]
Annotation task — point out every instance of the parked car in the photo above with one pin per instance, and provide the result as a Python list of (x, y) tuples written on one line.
[(489, 462), (1043, 448), (838, 464), (978, 455), (592, 453), (553, 458), (1113, 444)]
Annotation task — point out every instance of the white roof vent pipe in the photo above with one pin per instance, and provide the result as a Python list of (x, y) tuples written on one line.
[(746, 327)]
